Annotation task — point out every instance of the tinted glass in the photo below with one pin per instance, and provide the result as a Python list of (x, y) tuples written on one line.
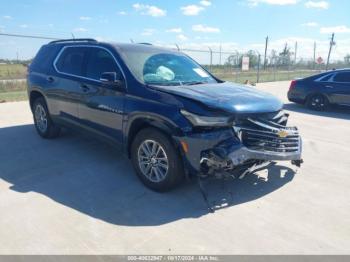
[(44, 59), (326, 78), (71, 61), (100, 61), (342, 77)]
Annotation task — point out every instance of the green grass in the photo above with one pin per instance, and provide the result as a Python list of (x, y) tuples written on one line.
[(13, 96), (265, 76), (13, 91), (13, 71)]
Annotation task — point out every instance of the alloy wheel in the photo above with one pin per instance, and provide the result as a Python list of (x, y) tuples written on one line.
[(153, 161), (41, 118)]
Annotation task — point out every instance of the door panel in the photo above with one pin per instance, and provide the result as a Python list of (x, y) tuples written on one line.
[(64, 93), (340, 88), (101, 108), (102, 111)]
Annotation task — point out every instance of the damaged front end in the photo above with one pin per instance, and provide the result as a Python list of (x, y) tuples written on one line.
[(252, 143)]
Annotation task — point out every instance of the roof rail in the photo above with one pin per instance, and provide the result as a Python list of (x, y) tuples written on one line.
[(144, 43), (74, 40)]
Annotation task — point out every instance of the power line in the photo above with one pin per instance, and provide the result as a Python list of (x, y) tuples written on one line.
[(30, 36)]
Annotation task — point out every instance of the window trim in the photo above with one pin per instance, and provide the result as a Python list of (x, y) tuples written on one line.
[(83, 77), (321, 79)]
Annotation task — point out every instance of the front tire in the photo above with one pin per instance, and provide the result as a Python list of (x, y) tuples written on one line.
[(42, 120), (317, 102), (156, 161)]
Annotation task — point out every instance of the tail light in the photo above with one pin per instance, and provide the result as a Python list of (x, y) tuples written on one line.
[(292, 85)]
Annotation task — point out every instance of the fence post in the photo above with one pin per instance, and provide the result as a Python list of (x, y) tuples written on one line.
[(258, 73), (211, 59)]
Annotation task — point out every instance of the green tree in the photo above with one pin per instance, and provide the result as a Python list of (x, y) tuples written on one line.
[(285, 56)]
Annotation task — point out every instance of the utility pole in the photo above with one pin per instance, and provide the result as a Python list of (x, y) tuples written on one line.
[(331, 44), (295, 52), (314, 63), (266, 43)]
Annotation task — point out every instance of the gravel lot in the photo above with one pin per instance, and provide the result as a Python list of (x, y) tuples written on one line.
[(74, 195)]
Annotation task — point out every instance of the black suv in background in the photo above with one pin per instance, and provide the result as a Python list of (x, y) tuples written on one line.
[(171, 116)]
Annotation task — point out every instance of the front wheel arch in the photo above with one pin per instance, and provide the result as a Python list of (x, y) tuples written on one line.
[(142, 122)]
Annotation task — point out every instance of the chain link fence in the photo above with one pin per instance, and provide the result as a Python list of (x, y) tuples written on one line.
[(280, 63), (228, 66)]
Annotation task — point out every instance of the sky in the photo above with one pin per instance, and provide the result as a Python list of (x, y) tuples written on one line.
[(198, 24)]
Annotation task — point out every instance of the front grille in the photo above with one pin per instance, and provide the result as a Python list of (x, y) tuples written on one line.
[(268, 134)]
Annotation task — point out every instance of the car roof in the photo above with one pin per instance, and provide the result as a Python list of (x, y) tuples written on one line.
[(119, 46)]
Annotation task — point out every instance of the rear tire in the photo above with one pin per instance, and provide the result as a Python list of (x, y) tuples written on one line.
[(317, 102), (42, 120), (156, 161)]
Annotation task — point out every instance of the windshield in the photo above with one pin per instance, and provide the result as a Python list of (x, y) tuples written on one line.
[(157, 68)]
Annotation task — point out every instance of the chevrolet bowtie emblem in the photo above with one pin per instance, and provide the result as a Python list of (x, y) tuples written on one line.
[(282, 133)]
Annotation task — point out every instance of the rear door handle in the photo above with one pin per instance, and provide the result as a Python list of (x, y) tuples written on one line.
[(50, 79), (84, 87)]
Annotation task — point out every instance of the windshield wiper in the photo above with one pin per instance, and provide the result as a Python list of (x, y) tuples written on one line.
[(195, 83), (164, 83)]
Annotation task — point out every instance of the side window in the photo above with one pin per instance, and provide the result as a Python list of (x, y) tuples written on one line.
[(342, 77), (326, 78), (100, 61), (71, 61)]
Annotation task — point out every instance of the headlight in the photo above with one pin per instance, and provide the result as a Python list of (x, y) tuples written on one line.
[(208, 121)]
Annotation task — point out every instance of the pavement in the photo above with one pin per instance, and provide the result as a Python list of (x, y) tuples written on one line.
[(75, 195)]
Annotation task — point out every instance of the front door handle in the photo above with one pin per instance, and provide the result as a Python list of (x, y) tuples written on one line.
[(329, 86)]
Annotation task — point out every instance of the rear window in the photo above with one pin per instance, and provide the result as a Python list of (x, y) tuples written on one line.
[(71, 61), (44, 59), (326, 78)]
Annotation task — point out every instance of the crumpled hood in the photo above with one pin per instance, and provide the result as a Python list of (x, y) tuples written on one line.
[(228, 96)]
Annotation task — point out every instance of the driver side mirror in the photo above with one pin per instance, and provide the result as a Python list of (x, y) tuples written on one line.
[(111, 79)]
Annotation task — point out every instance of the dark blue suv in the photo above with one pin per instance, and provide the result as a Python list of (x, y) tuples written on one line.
[(170, 115)]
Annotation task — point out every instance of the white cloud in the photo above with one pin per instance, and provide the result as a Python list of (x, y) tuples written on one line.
[(85, 18), (253, 3), (23, 26), (191, 10), (205, 29), (80, 29), (174, 30), (317, 4), (205, 3), (335, 29), (310, 24), (8, 17), (149, 10), (182, 37), (122, 13), (148, 32)]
